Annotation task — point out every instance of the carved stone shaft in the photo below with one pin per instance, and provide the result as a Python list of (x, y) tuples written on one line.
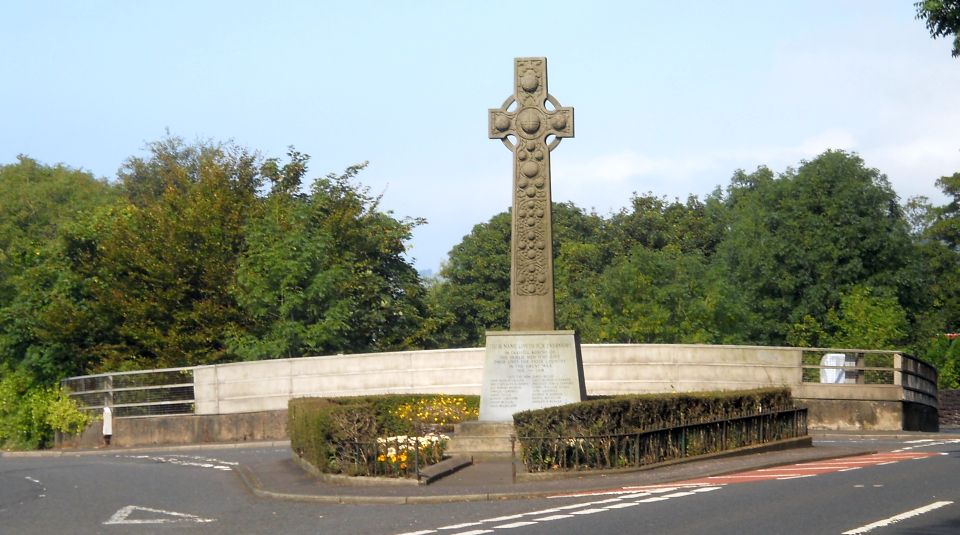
[(531, 131)]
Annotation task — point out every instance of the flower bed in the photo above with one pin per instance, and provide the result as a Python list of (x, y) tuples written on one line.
[(390, 435)]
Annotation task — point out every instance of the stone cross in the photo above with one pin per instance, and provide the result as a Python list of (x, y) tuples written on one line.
[(531, 131)]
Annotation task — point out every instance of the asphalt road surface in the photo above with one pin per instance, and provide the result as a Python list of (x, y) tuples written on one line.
[(911, 487)]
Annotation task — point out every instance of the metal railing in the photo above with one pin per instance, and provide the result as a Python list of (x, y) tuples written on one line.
[(541, 454), (142, 393), (873, 367), (387, 457)]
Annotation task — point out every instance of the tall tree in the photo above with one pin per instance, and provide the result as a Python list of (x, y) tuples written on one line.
[(37, 203), (325, 272), (800, 241), (942, 19), (938, 245), (162, 263)]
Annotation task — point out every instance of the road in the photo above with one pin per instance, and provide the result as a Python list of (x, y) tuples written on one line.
[(199, 492)]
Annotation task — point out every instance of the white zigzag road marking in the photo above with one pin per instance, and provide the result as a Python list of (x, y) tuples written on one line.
[(621, 499), (894, 519)]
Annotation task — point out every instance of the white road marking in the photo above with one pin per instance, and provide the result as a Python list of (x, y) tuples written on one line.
[(43, 490), (620, 492), (635, 495), (577, 506), (552, 517), (459, 526), (922, 440), (897, 518), (188, 460), (626, 497), (623, 505), (765, 476), (514, 525), (121, 516), (825, 467), (505, 518)]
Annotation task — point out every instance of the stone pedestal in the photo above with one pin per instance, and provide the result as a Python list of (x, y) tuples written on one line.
[(482, 440), (530, 370)]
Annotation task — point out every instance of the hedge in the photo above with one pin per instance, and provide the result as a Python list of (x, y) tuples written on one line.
[(630, 414)]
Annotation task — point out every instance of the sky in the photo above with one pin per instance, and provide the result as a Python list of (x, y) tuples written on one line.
[(670, 98)]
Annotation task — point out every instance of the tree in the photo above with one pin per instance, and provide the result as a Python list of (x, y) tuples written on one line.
[(942, 19), (162, 263), (867, 320), (37, 204), (800, 241), (325, 273), (36, 201), (667, 296), (938, 246), (472, 293)]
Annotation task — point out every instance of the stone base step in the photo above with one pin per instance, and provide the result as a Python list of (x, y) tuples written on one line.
[(444, 468), (481, 428), (482, 439), (461, 445)]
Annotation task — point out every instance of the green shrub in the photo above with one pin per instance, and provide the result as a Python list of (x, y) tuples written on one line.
[(629, 414), (335, 434), (31, 413)]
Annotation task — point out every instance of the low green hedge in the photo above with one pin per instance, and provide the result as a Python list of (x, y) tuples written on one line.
[(321, 428), (629, 414)]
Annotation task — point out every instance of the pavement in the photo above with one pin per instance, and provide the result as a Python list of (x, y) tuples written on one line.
[(488, 480), (492, 479)]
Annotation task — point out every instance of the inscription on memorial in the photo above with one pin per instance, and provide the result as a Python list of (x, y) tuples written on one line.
[(529, 371), (531, 366)]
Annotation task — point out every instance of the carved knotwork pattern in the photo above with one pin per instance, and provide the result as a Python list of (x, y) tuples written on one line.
[(530, 89), (531, 245), (529, 125), (531, 202)]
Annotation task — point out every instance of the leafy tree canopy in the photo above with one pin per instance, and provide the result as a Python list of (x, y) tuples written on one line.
[(942, 18)]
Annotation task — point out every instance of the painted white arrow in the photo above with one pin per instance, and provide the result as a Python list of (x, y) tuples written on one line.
[(121, 516)]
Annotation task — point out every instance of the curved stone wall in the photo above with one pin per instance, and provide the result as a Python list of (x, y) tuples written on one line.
[(608, 369)]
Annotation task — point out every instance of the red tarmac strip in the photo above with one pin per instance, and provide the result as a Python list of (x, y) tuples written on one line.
[(812, 468)]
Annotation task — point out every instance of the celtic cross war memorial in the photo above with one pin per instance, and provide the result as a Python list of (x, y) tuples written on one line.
[(532, 365)]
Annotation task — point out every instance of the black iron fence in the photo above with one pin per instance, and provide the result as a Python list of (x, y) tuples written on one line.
[(541, 454), (400, 456)]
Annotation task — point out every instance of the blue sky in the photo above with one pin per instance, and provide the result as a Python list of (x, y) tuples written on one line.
[(670, 98)]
